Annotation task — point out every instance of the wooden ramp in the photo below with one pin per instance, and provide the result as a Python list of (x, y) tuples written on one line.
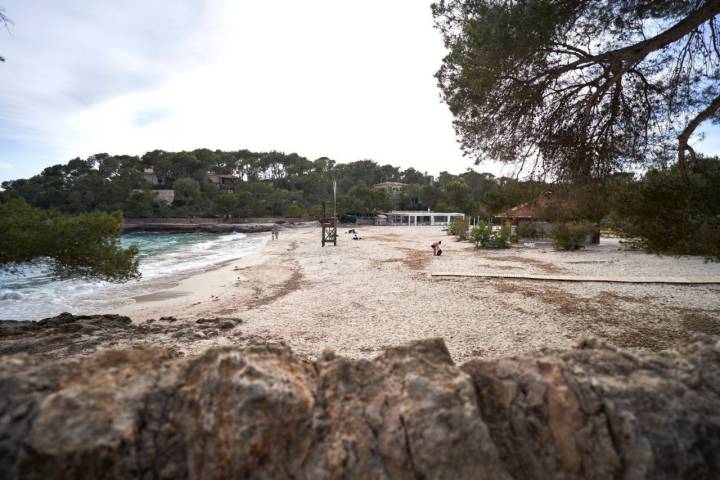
[(704, 280)]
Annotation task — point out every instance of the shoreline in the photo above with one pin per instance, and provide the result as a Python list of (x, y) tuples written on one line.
[(363, 296), (188, 288)]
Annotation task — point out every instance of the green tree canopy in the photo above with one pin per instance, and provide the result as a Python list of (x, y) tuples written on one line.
[(294, 211), (85, 246), (579, 89), (226, 203), (187, 191), (658, 214), (259, 184)]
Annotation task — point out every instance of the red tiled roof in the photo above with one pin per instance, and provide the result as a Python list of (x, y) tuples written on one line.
[(525, 210)]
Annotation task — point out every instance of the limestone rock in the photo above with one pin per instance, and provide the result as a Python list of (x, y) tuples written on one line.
[(69, 335), (260, 411), (63, 335)]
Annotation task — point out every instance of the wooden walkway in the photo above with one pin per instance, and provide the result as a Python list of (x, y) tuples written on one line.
[(704, 280)]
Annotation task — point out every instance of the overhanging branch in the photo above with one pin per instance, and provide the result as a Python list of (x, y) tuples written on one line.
[(684, 137), (636, 52)]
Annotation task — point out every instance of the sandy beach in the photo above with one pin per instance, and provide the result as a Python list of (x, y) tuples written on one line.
[(362, 296)]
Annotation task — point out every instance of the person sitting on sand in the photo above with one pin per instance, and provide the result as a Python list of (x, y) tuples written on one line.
[(437, 251)]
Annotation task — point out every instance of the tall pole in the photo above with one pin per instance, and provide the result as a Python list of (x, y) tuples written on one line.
[(335, 200)]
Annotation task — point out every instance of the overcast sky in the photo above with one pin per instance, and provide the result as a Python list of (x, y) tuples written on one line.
[(347, 80)]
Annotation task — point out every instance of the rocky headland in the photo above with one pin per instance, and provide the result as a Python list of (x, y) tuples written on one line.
[(101, 397)]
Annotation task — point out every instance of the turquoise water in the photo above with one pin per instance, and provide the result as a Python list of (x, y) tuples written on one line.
[(32, 294)]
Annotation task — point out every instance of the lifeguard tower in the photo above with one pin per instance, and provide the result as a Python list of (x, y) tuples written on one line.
[(329, 224)]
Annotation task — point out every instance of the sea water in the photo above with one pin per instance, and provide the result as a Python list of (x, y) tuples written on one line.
[(32, 294)]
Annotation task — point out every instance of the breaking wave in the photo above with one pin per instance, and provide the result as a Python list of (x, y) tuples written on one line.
[(31, 293)]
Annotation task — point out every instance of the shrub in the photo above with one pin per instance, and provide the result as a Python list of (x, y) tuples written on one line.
[(529, 230), (82, 246), (502, 236), (294, 211), (482, 235), (571, 235), (459, 228)]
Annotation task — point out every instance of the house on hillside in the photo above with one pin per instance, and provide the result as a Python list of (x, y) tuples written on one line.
[(390, 187), (156, 181), (149, 176), (223, 181)]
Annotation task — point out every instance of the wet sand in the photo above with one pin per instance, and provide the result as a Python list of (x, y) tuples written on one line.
[(159, 296)]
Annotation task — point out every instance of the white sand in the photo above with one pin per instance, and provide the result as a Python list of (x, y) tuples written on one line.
[(364, 295)]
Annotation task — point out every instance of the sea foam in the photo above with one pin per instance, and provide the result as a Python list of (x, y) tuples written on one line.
[(32, 294)]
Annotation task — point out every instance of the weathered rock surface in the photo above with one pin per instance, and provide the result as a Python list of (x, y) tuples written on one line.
[(259, 411), (67, 335)]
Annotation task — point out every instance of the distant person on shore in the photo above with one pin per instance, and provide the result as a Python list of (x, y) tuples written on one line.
[(437, 248), (275, 232)]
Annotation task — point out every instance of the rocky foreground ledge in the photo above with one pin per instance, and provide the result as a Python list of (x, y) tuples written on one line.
[(260, 411)]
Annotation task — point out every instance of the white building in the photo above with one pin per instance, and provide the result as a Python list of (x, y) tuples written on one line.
[(390, 187), (150, 177), (403, 217), (222, 180)]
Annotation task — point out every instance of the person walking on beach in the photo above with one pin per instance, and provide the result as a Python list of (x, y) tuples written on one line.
[(275, 232), (436, 246)]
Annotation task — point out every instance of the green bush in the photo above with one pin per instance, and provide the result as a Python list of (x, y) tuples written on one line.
[(459, 227), (482, 235), (570, 235), (82, 246), (295, 211), (502, 236)]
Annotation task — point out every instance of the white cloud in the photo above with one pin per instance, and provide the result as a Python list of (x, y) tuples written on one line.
[(348, 80)]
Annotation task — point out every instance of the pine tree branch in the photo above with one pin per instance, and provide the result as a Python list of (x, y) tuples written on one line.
[(684, 137)]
